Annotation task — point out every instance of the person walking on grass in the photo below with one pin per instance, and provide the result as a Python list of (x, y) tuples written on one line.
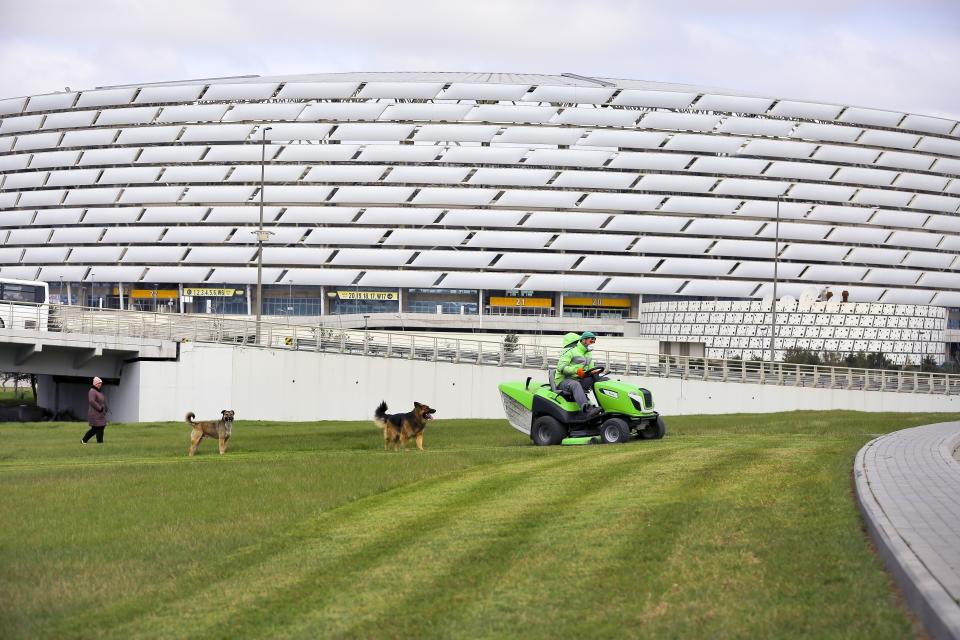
[(96, 413)]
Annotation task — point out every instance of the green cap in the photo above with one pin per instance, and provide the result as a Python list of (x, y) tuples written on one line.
[(587, 334)]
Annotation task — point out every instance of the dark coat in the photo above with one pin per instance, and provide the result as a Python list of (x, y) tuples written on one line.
[(97, 413)]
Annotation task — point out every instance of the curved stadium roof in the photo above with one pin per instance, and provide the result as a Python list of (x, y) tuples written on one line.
[(494, 181)]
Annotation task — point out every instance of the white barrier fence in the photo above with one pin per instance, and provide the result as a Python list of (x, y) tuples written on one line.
[(326, 338)]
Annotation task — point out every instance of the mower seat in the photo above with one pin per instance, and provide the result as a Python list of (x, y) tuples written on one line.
[(563, 393)]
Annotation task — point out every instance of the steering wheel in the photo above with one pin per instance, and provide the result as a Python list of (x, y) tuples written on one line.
[(595, 371)]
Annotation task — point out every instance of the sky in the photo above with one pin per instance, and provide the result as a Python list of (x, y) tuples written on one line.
[(891, 55)]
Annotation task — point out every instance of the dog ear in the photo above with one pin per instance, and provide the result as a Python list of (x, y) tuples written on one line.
[(223, 411), (417, 404)]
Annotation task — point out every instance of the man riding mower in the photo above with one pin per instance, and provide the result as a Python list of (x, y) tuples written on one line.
[(575, 370)]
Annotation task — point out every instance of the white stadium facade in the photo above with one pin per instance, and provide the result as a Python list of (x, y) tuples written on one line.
[(667, 207)]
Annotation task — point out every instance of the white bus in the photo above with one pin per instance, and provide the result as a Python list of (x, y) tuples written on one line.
[(24, 304)]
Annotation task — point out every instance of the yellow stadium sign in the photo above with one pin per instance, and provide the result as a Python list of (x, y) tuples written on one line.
[(210, 292), (368, 295), (505, 301), (619, 303)]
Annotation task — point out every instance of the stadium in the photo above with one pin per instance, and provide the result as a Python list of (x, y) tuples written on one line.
[(666, 211)]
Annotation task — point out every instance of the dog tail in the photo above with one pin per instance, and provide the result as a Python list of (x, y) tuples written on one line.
[(381, 413), (190, 417)]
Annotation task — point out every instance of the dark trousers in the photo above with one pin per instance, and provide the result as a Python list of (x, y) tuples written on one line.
[(95, 431)]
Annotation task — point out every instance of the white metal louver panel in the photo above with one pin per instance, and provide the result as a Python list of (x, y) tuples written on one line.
[(827, 132), (751, 188), (28, 236), (335, 236), (802, 170), (310, 152), (565, 220), (835, 213), (873, 255), (719, 288), (915, 239), (49, 274), (540, 135), (322, 276), (847, 154), (112, 215), (168, 155), (220, 255), (77, 235), (920, 182), (153, 215), (244, 214), (695, 267), (482, 218), (882, 197), (677, 246), (942, 165), (454, 196), (756, 126), (543, 199), (27, 180), (88, 138), (902, 160), (693, 204), (511, 113), (944, 223), (216, 133), (878, 177), (832, 273), (797, 231), (65, 120), (10, 256), (12, 163), (659, 99), (733, 104), (536, 261), (87, 255), (51, 102), (21, 123), (44, 255), (318, 215), (277, 173), (15, 218), (428, 175), (196, 235), (947, 204), (132, 115), (176, 93), (41, 198), (426, 237), (484, 155), (343, 111), (372, 195), (894, 139), (398, 215), (743, 249), (401, 153), (310, 131), (594, 179), (651, 285), (723, 227), (512, 177), (106, 97), (403, 278), (621, 201), (673, 184), (296, 255), (624, 139), (592, 242), (372, 131), (209, 173), (818, 192), (128, 175), (429, 112), (454, 259), (263, 111), (598, 116), (806, 110), (37, 141), (928, 124), (372, 257), (175, 274), (296, 193), (123, 235), (12, 106), (706, 143), (928, 260), (317, 90), (483, 91), (345, 173), (220, 194), (874, 117), (510, 239), (240, 91), (570, 94), (148, 135), (859, 235), (281, 235), (764, 270), (402, 90), (192, 113), (737, 166), (456, 133), (243, 275), (778, 149), (817, 252), (652, 160), (567, 157), (557, 282), (901, 219), (154, 254), (679, 121), (617, 264), (915, 296)]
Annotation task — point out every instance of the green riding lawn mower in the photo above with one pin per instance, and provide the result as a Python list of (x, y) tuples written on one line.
[(550, 416)]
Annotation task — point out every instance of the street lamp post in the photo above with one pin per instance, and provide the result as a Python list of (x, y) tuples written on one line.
[(260, 233), (773, 302)]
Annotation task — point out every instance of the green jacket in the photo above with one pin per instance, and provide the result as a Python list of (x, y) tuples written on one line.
[(572, 358)]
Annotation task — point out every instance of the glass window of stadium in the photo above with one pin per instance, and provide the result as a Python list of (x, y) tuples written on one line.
[(516, 302), (139, 296), (290, 300), (595, 305), (364, 300), (218, 299), (448, 301)]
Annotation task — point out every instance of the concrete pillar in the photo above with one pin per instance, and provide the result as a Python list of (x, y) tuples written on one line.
[(323, 300), (249, 302), (120, 292), (560, 304), (180, 297), (480, 308)]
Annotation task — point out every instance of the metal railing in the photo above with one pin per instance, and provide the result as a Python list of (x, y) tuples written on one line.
[(324, 338)]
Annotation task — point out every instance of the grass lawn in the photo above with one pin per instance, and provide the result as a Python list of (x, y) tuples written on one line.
[(22, 396), (738, 526)]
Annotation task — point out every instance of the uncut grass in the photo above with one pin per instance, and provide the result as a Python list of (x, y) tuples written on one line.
[(731, 526)]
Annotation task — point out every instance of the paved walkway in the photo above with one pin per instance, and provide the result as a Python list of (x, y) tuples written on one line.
[(908, 487)]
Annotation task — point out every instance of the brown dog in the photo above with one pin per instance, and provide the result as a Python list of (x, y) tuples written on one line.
[(219, 429), (399, 428)]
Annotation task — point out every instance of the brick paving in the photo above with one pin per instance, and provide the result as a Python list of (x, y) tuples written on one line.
[(908, 488)]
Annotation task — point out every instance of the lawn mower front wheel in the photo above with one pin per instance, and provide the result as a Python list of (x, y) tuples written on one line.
[(615, 431)]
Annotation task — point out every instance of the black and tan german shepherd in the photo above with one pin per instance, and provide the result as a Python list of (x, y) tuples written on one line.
[(399, 428)]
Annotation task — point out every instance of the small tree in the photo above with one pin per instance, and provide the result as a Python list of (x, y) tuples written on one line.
[(510, 343), (798, 355)]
